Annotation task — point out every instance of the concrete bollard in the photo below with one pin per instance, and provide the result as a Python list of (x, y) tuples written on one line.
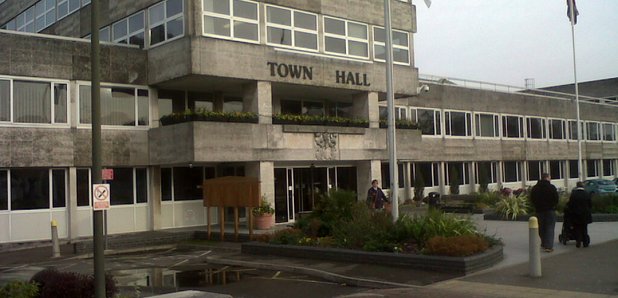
[(55, 242), (535, 248)]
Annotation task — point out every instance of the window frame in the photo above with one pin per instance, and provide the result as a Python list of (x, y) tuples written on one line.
[(521, 128), (550, 131), (135, 102), (376, 43), (493, 172), (588, 134), (231, 18), (126, 38), (292, 28), (165, 21), (345, 37), (529, 128), (437, 121), (603, 134), (518, 171), (496, 123), (50, 192), (448, 130), (570, 131)]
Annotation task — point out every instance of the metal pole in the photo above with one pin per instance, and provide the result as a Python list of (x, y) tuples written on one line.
[(534, 263), (390, 98), (580, 167), (99, 258)]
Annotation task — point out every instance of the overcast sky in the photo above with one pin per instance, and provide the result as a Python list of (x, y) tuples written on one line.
[(506, 41)]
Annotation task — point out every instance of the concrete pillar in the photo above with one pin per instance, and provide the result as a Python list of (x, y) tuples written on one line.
[(154, 107), (365, 173), (155, 197), (265, 171), (499, 170), (72, 204), (471, 171), (217, 104), (407, 187), (257, 98), (365, 106), (442, 177)]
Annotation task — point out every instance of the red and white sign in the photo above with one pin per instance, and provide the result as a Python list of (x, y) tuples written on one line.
[(100, 197), (107, 174)]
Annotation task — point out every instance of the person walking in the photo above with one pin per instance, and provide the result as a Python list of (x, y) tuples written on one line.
[(579, 213), (544, 197), (375, 196)]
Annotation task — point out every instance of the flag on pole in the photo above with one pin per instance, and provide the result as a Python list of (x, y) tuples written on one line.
[(575, 13), (428, 3)]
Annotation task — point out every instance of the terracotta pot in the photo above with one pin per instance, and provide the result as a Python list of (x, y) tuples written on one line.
[(264, 222)]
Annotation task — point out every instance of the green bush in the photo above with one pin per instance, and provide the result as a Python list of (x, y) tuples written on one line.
[(53, 283), (330, 209), (419, 230), (456, 246), (605, 204), (513, 206), (19, 289), (366, 230), (287, 236), (487, 199)]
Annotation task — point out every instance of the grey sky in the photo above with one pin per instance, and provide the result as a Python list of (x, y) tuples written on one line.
[(506, 41)]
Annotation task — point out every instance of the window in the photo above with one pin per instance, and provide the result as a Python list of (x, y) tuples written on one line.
[(59, 188), (535, 169), (83, 187), (232, 104), (166, 21), (573, 169), (458, 171), (34, 188), (188, 183), (428, 120), (39, 102), (609, 132), (487, 169), (345, 38), (401, 46), (593, 131), (458, 124), (4, 190), (487, 125), (121, 188), (556, 169), (130, 30), (401, 113), (45, 14), (592, 168), (608, 167), (24, 22), (5, 100), (573, 129), (536, 128), (429, 172), (292, 28), (512, 126), (340, 109), (386, 179), (119, 106), (236, 19), (141, 185), (511, 171), (166, 184), (557, 129), (63, 8), (296, 107)]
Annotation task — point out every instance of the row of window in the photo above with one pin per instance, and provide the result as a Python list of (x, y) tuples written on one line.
[(296, 29), (46, 102), (489, 125), (43, 14), (512, 171)]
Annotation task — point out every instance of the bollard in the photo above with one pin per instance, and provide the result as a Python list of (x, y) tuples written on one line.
[(55, 243), (534, 249)]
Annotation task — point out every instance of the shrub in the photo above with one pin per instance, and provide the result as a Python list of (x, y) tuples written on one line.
[(331, 209), (19, 289), (487, 199), (287, 236), (456, 246), (366, 230), (53, 283), (605, 204), (512, 206), (419, 230)]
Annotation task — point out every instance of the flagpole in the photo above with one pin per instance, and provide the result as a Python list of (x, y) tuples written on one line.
[(390, 100), (580, 176)]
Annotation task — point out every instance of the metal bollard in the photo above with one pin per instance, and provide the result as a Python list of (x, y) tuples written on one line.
[(55, 242), (534, 249)]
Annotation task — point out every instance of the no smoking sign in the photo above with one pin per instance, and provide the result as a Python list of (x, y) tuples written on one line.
[(100, 197)]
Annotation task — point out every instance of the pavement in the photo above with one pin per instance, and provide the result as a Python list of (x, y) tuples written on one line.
[(566, 272)]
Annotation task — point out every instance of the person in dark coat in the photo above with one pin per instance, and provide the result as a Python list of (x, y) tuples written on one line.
[(375, 196), (579, 207), (544, 197)]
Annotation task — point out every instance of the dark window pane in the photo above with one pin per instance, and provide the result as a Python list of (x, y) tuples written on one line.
[(143, 117), (60, 103), (5, 100), (511, 173), (188, 183), (608, 167), (386, 178), (555, 169), (29, 189), (83, 187), (4, 191), (175, 27), (426, 121), (166, 184), (31, 102), (591, 166), (291, 107), (573, 169), (59, 189), (346, 178), (141, 186), (157, 34), (121, 188), (534, 171)]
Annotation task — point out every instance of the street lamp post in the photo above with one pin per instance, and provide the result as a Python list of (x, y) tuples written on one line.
[(390, 99)]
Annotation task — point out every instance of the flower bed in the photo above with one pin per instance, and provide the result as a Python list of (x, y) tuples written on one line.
[(319, 120), (201, 115)]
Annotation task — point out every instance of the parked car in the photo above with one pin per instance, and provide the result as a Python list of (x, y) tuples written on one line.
[(599, 186)]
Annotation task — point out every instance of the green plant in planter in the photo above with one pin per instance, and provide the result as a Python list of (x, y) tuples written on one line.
[(513, 206), (263, 209)]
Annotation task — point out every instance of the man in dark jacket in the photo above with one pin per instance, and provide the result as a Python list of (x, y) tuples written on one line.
[(579, 207), (544, 197), (375, 196)]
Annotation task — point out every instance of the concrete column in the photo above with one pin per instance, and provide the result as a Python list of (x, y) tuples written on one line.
[(365, 106), (155, 197), (442, 177), (154, 107), (366, 171), (523, 167), (72, 204), (565, 174), (265, 171), (471, 171), (217, 104), (407, 187), (257, 98), (499, 170)]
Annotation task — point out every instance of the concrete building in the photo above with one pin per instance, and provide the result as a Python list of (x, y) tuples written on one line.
[(253, 70)]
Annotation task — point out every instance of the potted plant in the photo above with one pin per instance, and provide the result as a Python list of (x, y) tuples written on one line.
[(264, 215)]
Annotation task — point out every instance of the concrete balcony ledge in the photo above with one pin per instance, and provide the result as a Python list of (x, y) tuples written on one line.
[(459, 265), (291, 128)]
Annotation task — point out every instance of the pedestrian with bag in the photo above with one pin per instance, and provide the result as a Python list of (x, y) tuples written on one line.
[(375, 196)]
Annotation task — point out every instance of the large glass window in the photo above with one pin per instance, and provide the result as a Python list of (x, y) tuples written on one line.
[(488, 169), (83, 187), (428, 120), (535, 169), (557, 129), (458, 123), (45, 14), (429, 172), (4, 190), (556, 169), (119, 106), (487, 125), (512, 172), (573, 169), (291, 28), (573, 129), (121, 188), (29, 189), (33, 102), (166, 184), (141, 185), (130, 30), (166, 21), (188, 183), (593, 131), (512, 126), (59, 188), (592, 168), (304, 107), (345, 38), (608, 167), (401, 46), (609, 132), (535, 128), (5, 100), (237, 19), (458, 171)]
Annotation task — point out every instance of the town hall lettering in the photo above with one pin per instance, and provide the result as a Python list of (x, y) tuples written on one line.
[(290, 70), (351, 78)]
